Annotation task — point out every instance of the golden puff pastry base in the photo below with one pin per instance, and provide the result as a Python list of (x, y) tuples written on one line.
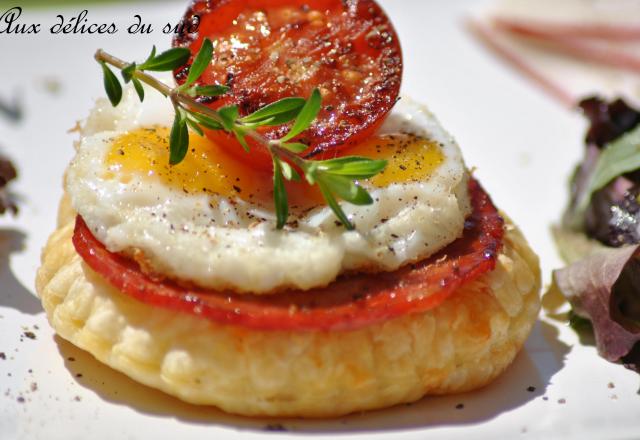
[(459, 346)]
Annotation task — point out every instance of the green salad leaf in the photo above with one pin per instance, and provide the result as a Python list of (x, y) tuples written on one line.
[(617, 158)]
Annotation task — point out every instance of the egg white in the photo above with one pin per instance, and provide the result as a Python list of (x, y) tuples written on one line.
[(214, 242)]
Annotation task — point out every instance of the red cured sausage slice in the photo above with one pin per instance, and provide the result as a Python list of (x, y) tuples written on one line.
[(348, 303)]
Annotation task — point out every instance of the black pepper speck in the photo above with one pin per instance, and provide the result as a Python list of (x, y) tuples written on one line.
[(275, 427)]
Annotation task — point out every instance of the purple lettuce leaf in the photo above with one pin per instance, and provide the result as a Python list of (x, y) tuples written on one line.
[(613, 216), (608, 120), (605, 288)]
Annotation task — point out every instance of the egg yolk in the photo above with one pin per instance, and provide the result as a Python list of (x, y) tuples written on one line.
[(205, 169), (208, 169), (409, 158)]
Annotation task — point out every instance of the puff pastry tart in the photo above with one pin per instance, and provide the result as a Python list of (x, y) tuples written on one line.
[(178, 276)]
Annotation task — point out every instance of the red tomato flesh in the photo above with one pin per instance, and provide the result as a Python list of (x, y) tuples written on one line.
[(266, 50), (349, 303)]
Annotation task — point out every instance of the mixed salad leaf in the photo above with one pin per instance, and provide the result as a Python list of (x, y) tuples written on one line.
[(600, 233), (605, 289)]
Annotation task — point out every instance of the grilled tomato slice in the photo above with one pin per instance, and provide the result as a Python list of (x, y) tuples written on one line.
[(266, 50)]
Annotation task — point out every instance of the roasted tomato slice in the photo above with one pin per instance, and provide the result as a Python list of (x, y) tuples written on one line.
[(348, 303), (265, 50)]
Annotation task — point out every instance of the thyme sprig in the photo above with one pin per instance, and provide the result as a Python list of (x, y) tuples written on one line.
[(336, 178)]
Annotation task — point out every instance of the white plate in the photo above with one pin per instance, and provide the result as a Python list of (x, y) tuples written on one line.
[(522, 144)]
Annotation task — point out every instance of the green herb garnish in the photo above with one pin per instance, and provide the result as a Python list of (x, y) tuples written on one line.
[(337, 178)]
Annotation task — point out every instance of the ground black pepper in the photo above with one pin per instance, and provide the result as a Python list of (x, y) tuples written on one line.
[(275, 427)]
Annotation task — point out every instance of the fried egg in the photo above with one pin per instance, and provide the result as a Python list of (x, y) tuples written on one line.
[(209, 221)]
